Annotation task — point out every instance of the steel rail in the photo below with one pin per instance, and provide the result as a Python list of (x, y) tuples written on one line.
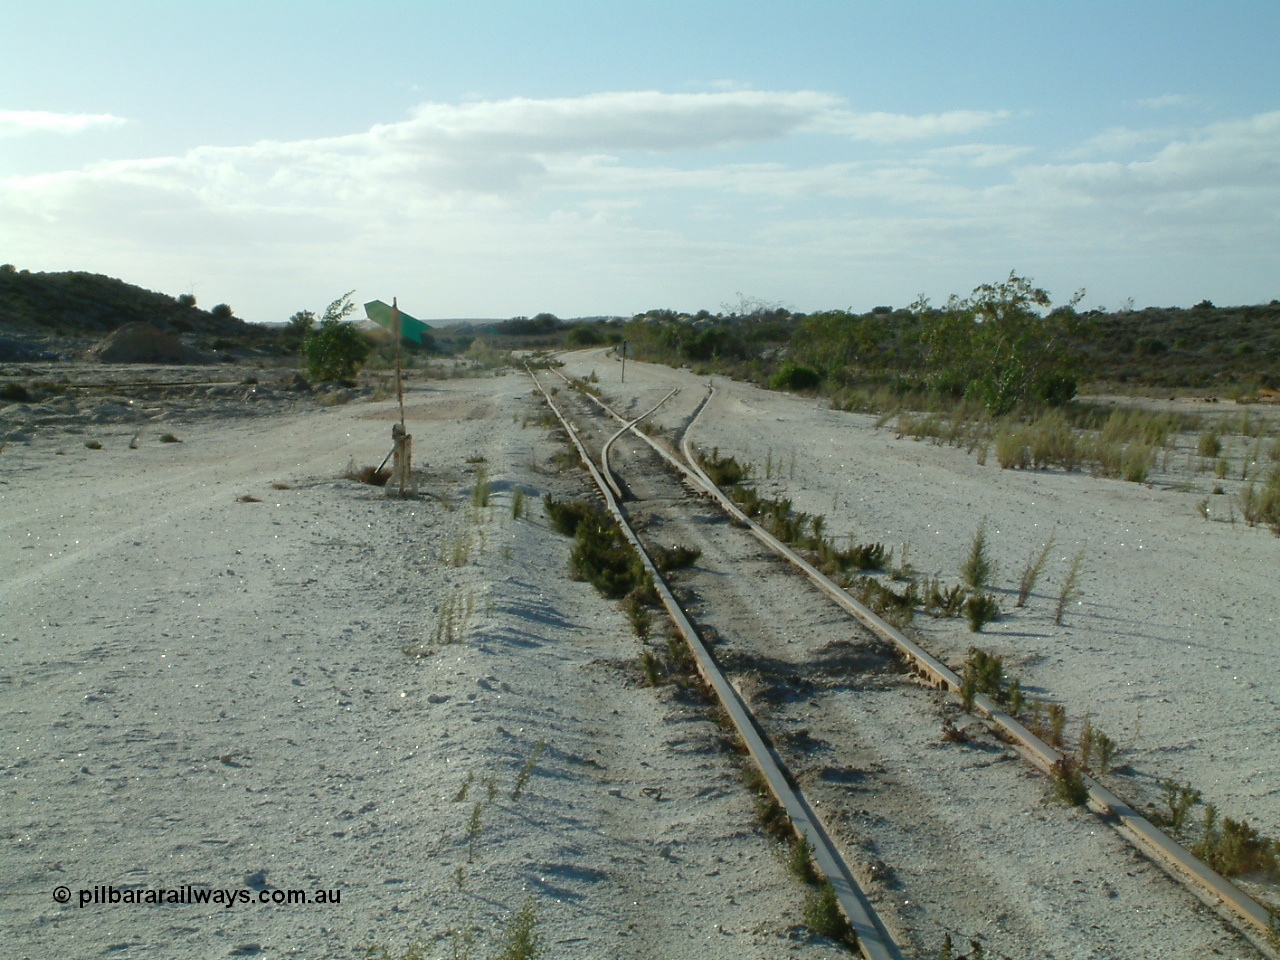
[(874, 941), (1176, 860), (604, 451)]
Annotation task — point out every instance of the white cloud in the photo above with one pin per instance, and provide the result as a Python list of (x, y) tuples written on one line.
[(15, 123), (1166, 101), (980, 154), (901, 128), (1121, 140)]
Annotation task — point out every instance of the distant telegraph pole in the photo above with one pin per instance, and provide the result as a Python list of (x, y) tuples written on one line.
[(624, 361)]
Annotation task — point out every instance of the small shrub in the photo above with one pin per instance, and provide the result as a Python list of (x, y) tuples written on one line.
[(1031, 572), (602, 556), (651, 667), (902, 569), (953, 734), (667, 559), (724, 471), (864, 556), (334, 349), (1104, 751), (93, 444), (897, 608), (466, 786), (526, 770), (795, 376), (800, 861), (940, 602), (982, 673), (455, 616), (475, 824), (637, 615), (566, 515), (14, 392), (1209, 445), (1012, 450), (520, 938), (978, 571), (980, 609), (1057, 723), (1070, 590), (1136, 462), (822, 914), (1068, 783), (517, 504), (1178, 801), (480, 489), (1235, 847)]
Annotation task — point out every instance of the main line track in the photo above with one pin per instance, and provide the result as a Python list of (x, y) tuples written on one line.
[(963, 827)]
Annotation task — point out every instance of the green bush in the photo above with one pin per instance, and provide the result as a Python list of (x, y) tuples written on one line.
[(585, 336), (981, 609), (334, 350), (822, 914), (724, 471), (795, 376)]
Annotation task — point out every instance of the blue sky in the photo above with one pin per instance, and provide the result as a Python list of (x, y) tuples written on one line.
[(495, 159)]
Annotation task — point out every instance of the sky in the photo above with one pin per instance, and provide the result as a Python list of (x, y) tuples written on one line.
[(497, 159)]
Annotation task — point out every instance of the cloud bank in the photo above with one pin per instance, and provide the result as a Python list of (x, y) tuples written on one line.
[(624, 188), (14, 123)]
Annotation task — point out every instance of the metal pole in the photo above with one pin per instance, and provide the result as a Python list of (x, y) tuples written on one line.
[(624, 361)]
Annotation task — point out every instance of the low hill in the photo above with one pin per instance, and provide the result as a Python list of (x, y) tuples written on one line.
[(90, 305)]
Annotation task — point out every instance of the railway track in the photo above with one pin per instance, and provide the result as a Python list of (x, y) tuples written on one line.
[(941, 839)]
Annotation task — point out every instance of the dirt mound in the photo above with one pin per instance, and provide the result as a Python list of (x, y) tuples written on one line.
[(143, 343)]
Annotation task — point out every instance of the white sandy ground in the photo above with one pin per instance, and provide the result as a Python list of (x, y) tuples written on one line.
[(200, 691), (1174, 645), (196, 690)]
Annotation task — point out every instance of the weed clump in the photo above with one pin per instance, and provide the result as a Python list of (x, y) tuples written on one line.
[(1232, 847), (370, 475), (984, 673), (1178, 800), (603, 557), (980, 609), (822, 914), (724, 471), (1070, 590), (480, 489), (520, 938), (651, 667), (667, 559), (943, 602), (565, 515), (897, 608), (526, 769), (1068, 783)]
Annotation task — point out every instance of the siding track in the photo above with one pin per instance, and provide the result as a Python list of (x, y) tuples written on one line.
[(844, 714)]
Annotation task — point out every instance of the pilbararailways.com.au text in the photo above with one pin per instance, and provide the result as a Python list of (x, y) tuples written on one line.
[(204, 896)]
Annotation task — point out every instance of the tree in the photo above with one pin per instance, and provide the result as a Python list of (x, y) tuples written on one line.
[(334, 349), (221, 312), (995, 346), (302, 323), (187, 300)]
